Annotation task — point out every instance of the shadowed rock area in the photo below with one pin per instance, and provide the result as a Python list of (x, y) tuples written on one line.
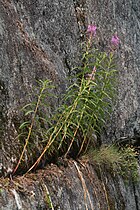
[(41, 39)]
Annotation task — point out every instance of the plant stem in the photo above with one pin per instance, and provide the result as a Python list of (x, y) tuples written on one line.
[(30, 131)]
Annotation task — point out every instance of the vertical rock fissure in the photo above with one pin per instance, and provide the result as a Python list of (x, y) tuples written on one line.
[(80, 12), (135, 196)]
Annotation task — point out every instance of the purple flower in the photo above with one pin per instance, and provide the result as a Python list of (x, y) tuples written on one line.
[(115, 40), (92, 29)]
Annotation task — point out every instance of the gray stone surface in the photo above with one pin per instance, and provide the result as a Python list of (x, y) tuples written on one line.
[(122, 17), (76, 187), (38, 40), (41, 39)]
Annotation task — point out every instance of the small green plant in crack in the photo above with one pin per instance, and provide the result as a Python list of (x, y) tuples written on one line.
[(129, 167)]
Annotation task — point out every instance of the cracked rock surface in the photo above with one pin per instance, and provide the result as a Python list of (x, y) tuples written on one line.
[(75, 187), (41, 39)]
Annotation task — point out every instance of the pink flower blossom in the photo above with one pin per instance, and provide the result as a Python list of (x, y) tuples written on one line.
[(115, 40), (92, 29)]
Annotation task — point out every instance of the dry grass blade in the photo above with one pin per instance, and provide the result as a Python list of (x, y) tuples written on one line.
[(86, 193), (106, 196), (104, 188), (48, 197)]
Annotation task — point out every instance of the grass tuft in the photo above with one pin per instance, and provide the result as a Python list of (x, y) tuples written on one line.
[(122, 161)]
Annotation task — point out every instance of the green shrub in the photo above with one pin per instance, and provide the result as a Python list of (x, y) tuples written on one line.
[(86, 106)]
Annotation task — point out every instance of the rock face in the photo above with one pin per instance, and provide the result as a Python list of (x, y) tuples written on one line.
[(123, 17), (75, 187), (38, 40), (41, 39)]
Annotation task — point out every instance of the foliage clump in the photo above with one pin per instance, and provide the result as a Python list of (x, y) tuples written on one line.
[(78, 122), (122, 161)]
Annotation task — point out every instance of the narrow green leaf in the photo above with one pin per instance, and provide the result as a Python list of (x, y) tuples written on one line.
[(27, 105), (24, 124), (29, 112)]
